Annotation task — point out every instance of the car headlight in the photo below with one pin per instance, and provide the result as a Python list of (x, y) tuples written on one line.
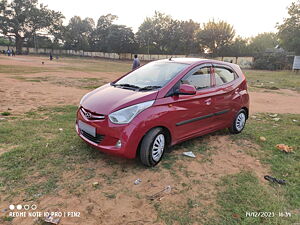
[(127, 114)]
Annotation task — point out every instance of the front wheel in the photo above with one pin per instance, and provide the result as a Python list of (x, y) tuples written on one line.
[(238, 122), (153, 147)]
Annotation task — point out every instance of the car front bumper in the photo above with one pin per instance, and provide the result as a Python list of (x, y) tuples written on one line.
[(108, 135)]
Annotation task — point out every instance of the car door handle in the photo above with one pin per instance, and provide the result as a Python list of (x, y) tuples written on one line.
[(237, 91), (208, 101)]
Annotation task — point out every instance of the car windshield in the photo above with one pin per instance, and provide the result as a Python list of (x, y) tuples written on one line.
[(151, 76)]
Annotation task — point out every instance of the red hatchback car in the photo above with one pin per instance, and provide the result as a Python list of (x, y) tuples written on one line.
[(161, 104)]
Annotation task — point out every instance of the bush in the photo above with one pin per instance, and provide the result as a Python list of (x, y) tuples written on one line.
[(271, 61)]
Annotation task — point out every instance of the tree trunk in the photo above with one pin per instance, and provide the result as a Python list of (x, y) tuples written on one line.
[(19, 44)]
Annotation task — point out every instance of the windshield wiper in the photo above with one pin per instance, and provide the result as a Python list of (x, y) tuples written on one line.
[(126, 85), (149, 88)]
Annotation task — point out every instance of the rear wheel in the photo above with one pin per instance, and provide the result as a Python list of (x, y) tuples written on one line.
[(238, 122), (153, 147)]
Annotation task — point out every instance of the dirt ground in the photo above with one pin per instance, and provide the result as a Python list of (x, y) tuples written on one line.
[(18, 96), (126, 208)]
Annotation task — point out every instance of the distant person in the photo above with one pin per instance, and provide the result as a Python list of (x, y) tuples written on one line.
[(136, 62), (8, 52), (13, 53), (51, 57)]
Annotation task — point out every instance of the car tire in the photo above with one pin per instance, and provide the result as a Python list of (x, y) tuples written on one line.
[(153, 147), (239, 122)]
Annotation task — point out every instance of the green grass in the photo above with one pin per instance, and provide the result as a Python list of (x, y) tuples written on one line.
[(242, 193), (42, 150), (31, 79), (18, 69), (72, 64), (273, 79), (83, 83), (5, 113), (97, 66), (283, 165)]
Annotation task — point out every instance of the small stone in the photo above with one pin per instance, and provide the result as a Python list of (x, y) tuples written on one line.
[(276, 119), (37, 195), (60, 129), (273, 115), (262, 138), (137, 181), (189, 154), (95, 184), (4, 210), (1, 118)]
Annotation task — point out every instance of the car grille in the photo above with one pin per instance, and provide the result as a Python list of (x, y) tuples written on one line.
[(91, 116), (96, 139)]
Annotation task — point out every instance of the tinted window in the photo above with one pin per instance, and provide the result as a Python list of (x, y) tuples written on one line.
[(223, 76), (153, 74), (200, 78)]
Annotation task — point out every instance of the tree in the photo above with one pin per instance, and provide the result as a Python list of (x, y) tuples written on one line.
[(289, 30), (120, 39), (261, 42), (109, 37), (39, 42), (189, 31), (22, 19), (216, 35), (99, 35), (162, 34), (182, 37), (238, 48), (78, 33), (5, 41), (153, 34)]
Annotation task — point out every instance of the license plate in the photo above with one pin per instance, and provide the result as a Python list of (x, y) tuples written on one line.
[(87, 128)]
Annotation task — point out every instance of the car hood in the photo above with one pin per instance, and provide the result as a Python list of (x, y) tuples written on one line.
[(107, 99)]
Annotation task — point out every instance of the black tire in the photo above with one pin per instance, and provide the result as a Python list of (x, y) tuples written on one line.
[(236, 126), (147, 147)]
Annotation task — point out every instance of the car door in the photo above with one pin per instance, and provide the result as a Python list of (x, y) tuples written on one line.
[(226, 97), (194, 112)]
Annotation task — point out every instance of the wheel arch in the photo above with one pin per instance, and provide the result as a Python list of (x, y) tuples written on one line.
[(247, 112), (166, 131)]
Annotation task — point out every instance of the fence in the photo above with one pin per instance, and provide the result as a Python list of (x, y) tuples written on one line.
[(244, 62)]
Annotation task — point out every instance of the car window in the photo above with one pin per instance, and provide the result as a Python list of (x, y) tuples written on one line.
[(223, 75), (157, 73), (200, 78)]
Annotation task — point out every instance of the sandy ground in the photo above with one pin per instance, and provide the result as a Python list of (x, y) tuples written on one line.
[(131, 204), (283, 101)]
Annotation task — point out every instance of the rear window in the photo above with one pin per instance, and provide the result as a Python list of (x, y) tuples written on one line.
[(223, 75)]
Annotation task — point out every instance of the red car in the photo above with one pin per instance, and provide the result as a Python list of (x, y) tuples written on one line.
[(161, 104)]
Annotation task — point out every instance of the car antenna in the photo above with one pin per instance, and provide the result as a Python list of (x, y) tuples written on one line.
[(170, 58)]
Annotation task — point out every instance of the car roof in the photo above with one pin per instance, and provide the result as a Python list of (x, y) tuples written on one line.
[(196, 61)]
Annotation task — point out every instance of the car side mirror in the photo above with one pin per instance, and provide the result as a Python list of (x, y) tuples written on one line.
[(186, 89)]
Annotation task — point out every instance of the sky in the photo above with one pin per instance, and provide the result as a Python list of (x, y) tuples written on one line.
[(249, 17)]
